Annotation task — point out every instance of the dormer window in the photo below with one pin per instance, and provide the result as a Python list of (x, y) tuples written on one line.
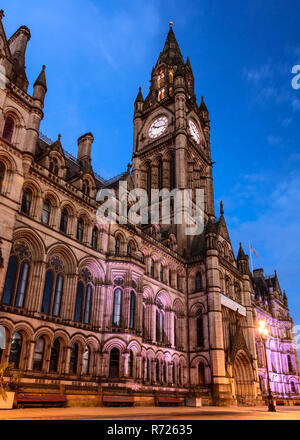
[(53, 166), (86, 187)]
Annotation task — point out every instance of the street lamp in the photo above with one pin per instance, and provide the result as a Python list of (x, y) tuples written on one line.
[(263, 331)]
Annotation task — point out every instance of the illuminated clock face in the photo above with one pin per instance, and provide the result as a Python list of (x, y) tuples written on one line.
[(158, 127), (194, 132)]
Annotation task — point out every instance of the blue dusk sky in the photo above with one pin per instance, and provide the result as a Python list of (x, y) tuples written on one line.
[(97, 54)]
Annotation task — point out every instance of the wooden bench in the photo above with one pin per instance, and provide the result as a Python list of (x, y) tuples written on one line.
[(168, 401), (118, 400), (43, 400)]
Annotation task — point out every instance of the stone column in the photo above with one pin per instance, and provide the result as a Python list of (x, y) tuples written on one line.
[(30, 355)]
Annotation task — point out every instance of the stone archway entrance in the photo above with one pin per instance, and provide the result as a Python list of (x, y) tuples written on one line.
[(243, 379)]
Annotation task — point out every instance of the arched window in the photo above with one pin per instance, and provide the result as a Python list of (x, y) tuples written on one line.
[(64, 221), (10, 280), (148, 375), (38, 355), (53, 166), (130, 364), (172, 172), (2, 174), (117, 308), (74, 358), (132, 310), (161, 276), (80, 227), (86, 361), (8, 129), (54, 356), (86, 187), (290, 365), (87, 305), (152, 268), (26, 201), (22, 284), (47, 291), (129, 250), (149, 182), (198, 284), (160, 173), (157, 370), (46, 212), (79, 301), (114, 363), (201, 373), (165, 371), (170, 277), (57, 295), (293, 388), (95, 237), (199, 324), (160, 323), (175, 331), (117, 246), (179, 374), (15, 350), (143, 321)]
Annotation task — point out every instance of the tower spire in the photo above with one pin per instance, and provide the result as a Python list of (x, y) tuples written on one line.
[(171, 53)]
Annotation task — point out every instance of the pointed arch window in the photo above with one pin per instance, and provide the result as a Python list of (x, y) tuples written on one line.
[(74, 358), (172, 172), (53, 166), (160, 325), (86, 187), (95, 238), (83, 302), (130, 363), (46, 212), (132, 310), (58, 295), (8, 129), (199, 324), (152, 268), (80, 229), (161, 275), (198, 284), (148, 372), (54, 356), (149, 181), (165, 372), (117, 246), (157, 370), (26, 201), (129, 250), (2, 174), (86, 361), (201, 373), (114, 362), (170, 277), (64, 221), (15, 350), (175, 331), (117, 308), (38, 355), (16, 282)]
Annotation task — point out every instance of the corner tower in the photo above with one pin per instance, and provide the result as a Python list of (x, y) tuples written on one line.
[(171, 144)]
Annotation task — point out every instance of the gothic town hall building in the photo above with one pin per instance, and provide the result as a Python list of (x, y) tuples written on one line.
[(95, 310)]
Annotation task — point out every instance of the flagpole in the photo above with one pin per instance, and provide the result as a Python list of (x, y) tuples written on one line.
[(251, 258)]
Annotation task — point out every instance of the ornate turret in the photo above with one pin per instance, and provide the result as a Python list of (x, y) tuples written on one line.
[(40, 86), (242, 261), (17, 44)]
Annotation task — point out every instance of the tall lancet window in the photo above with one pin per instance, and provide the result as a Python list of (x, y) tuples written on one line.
[(172, 171), (8, 129), (160, 173), (117, 308)]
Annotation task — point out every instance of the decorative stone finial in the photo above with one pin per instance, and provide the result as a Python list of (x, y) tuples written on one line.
[(221, 208), (171, 24), (59, 137)]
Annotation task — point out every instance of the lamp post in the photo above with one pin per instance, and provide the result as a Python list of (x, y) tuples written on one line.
[(263, 331)]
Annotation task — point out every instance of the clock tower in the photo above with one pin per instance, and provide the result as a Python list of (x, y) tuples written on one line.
[(171, 142)]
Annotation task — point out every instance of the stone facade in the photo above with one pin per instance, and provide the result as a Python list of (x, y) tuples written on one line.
[(92, 309)]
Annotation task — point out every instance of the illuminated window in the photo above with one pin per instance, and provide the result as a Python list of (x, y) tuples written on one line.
[(161, 94), (38, 355), (15, 350), (160, 79), (86, 361), (117, 308)]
